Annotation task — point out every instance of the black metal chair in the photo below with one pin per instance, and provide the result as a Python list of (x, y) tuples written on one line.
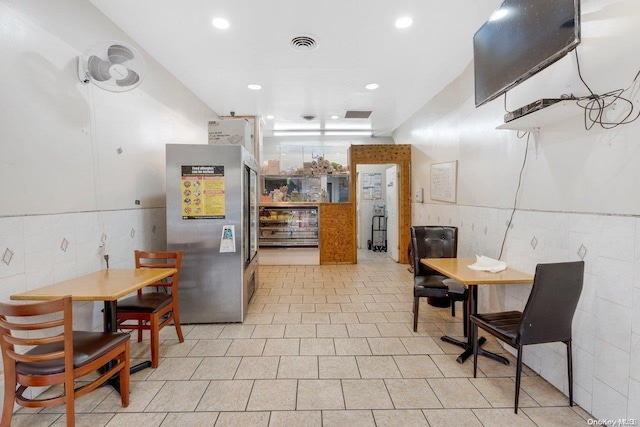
[(547, 316), (435, 242)]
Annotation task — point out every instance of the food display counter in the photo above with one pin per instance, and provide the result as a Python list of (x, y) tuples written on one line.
[(288, 226), (289, 234)]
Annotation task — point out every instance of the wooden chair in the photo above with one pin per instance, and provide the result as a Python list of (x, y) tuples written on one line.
[(152, 311), (36, 354), (547, 316)]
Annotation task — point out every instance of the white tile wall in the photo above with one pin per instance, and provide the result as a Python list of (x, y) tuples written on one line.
[(38, 259), (611, 366), (614, 324), (584, 331), (636, 263), (635, 317), (634, 367), (606, 402), (634, 400), (554, 367), (606, 337), (583, 396), (583, 369), (619, 279)]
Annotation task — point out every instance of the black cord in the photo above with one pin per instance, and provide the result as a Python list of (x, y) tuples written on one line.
[(595, 105), (515, 202), (580, 75)]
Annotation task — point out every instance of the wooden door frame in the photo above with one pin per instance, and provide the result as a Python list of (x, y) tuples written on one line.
[(399, 154)]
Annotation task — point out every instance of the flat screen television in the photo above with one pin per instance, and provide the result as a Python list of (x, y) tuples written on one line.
[(521, 38)]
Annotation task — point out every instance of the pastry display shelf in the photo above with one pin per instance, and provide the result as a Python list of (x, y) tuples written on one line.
[(288, 226)]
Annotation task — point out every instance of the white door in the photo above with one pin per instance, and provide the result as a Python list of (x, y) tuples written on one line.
[(359, 225), (392, 213)]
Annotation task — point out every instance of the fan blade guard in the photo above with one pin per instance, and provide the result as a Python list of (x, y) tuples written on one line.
[(118, 54), (98, 69), (112, 65), (131, 79)]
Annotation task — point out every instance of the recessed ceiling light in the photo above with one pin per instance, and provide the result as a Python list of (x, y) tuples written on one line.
[(335, 117), (254, 86), (372, 86), (270, 117), (404, 22), (220, 23)]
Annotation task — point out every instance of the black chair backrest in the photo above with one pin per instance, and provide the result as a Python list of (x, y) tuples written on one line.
[(549, 311), (428, 241)]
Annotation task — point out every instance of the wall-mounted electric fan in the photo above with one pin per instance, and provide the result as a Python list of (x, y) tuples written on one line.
[(112, 66)]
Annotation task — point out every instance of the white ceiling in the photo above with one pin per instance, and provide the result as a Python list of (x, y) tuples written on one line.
[(358, 44)]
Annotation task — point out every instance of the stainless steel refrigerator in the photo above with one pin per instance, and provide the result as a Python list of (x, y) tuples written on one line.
[(212, 214)]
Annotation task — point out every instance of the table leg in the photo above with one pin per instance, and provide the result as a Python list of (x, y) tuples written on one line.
[(111, 325), (110, 319), (472, 308)]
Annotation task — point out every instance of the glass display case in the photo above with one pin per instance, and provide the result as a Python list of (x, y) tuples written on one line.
[(302, 188), (288, 226), (305, 174)]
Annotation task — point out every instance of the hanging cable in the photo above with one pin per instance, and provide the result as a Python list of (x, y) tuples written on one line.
[(515, 202), (595, 105)]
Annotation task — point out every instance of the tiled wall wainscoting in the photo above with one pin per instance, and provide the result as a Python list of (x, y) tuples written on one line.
[(37, 250), (606, 327)]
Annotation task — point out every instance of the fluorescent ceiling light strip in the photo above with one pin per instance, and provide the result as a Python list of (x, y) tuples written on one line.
[(297, 133), (341, 132), (348, 132)]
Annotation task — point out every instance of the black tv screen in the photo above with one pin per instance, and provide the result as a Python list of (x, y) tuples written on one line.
[(521, 38)]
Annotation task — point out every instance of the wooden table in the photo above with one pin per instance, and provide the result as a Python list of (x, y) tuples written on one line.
[(458, 269), (105, 285)]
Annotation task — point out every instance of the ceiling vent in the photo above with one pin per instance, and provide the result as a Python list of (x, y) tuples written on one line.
[(357, 114), (304, 43)]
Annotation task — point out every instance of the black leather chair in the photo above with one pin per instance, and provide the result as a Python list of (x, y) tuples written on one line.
[(547, 316), (435, 242)]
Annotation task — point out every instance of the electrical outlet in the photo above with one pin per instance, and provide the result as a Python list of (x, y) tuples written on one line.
[(419, 195)]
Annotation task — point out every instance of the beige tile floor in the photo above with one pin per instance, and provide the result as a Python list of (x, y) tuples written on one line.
[(322, 346)]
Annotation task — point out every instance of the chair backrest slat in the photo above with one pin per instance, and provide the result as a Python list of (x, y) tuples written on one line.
[(43, 357), (155, 265), (549, 311), (45, 324), (172, 260), (29, 341), (39, 331)]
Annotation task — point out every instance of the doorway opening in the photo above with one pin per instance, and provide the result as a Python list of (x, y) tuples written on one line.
[(377, 208), (399, 154)]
